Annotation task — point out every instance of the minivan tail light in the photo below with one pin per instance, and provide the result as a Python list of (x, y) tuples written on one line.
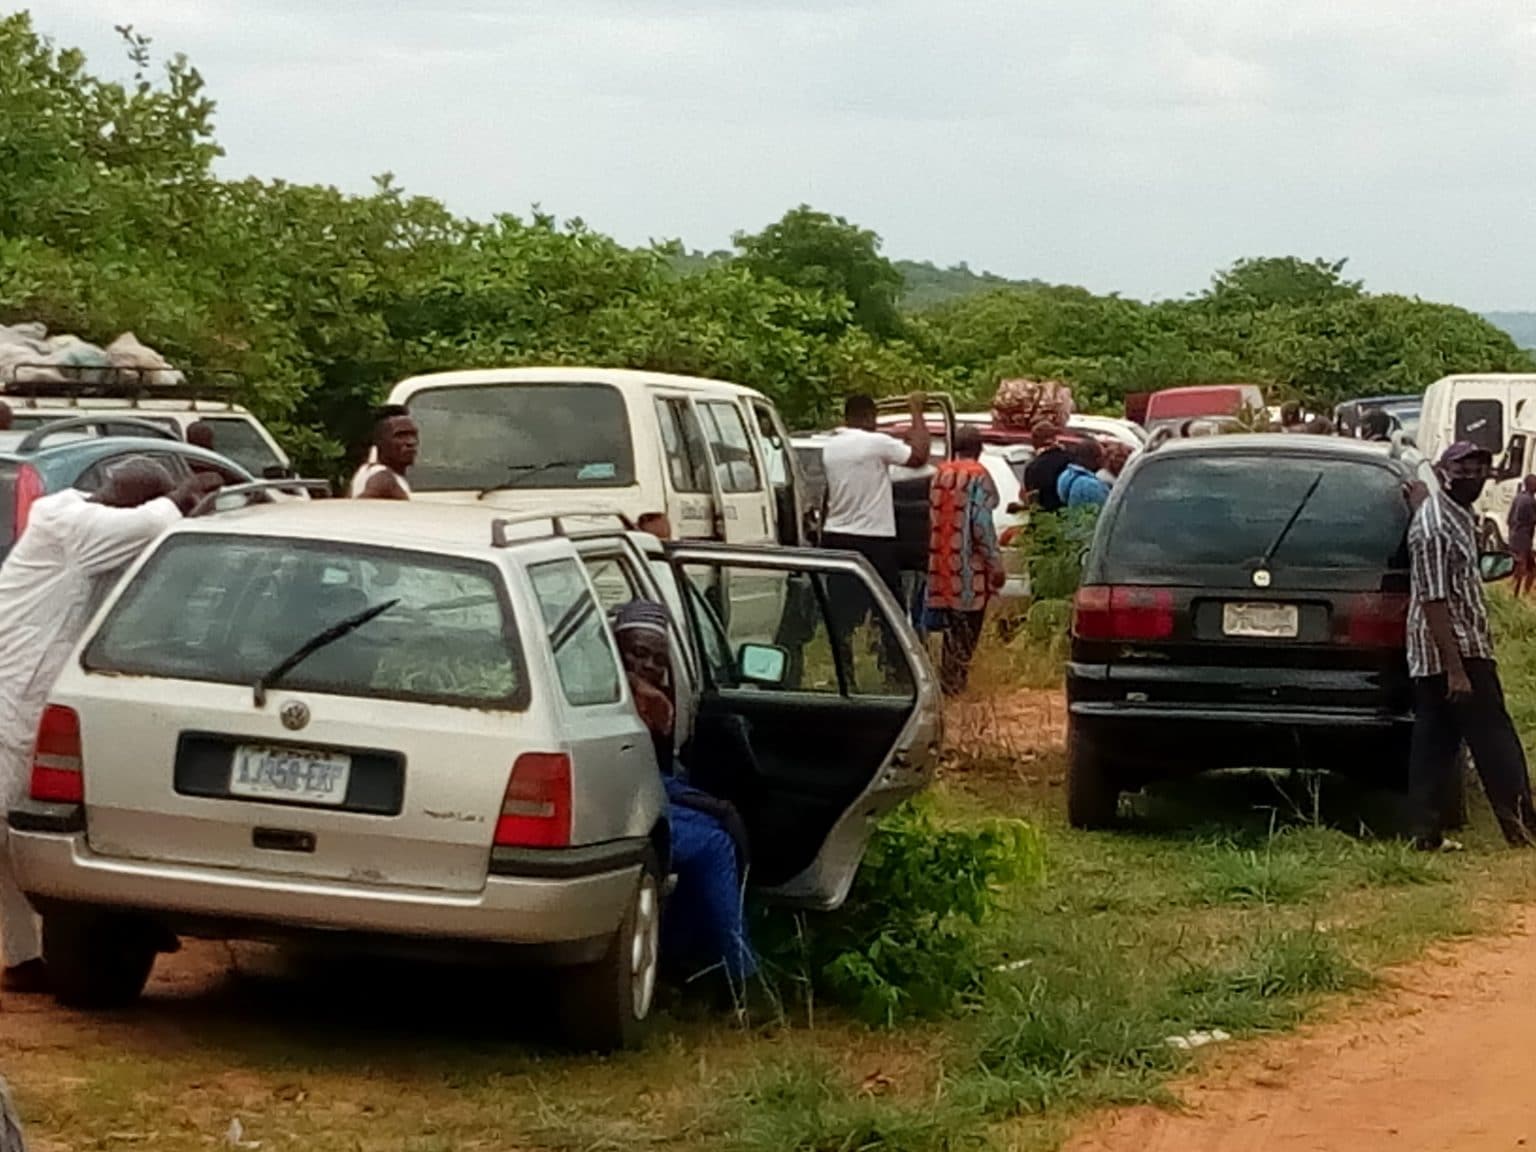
[(56, 761), (1122, 612), (536, 810), (29, 488), (1373, 620)]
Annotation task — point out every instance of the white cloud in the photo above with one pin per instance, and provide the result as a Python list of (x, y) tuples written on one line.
[(1133, 145)]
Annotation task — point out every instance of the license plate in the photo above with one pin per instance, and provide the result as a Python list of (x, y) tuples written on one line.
[(1268, 621), (291, 774)]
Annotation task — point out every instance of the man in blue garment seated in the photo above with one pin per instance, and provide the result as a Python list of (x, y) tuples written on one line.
[(704, 929)]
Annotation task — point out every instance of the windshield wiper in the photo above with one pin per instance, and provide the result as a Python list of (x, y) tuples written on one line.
[(316, 642), (1301, 506), (524, 473)]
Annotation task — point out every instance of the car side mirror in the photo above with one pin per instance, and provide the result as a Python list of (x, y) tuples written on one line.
[(1495, 566), (1511, 465), (762, 664)]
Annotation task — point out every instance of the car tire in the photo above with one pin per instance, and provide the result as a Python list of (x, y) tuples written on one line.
[(1093, 792), (97, 960), (605, 1004)]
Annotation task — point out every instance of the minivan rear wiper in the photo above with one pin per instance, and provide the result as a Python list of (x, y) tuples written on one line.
[(1301, 506), (316, 642), (522, 473)]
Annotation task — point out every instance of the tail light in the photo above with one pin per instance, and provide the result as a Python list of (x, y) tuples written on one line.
[(1121, 612), (536, 811), (29, 486), (56, 761), (1374, 620)]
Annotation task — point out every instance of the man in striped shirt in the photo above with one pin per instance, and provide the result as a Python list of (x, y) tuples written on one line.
[(1457, 694)]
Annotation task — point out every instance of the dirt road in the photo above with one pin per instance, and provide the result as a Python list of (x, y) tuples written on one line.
[(1444, 1063)]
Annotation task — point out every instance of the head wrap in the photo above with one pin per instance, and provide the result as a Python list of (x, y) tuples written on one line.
[(643, 616)]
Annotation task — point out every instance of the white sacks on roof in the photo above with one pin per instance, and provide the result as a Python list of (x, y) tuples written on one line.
[(28, 355)]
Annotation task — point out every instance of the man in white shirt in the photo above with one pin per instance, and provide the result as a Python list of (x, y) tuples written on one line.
[(861, 508), (71, 549), (396, 441)]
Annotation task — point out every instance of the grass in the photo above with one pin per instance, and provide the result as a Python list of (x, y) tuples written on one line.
[(1236, 904)]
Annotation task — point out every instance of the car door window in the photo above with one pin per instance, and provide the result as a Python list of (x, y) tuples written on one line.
[(241, 441), (683, 442), (1482, 423), (735, 463), (778, 450), (585, 660), (835, 638), (92, 479), (615, 583)]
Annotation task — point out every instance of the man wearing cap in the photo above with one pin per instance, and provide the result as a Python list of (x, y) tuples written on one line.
[(1456, 690)]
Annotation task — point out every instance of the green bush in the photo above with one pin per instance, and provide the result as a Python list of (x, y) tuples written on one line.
[(906, 942), (1053, 546)]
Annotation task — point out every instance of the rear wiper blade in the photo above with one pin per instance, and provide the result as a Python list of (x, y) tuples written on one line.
[(523, 473), (1301, 506), (316, 642)]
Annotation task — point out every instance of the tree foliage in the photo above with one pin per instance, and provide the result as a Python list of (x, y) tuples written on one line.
[(827, 254), (112, 218)]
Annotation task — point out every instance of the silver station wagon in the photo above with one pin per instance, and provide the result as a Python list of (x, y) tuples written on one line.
[(407, 725)]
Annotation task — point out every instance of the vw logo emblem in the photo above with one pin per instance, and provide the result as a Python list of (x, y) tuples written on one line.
[(295, 715), (1261, 579)]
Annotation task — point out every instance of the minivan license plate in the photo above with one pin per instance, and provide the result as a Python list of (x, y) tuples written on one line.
[(1269, 621), (292, 774)]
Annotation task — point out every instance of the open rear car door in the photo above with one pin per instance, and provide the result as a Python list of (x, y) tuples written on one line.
[(815, 719)]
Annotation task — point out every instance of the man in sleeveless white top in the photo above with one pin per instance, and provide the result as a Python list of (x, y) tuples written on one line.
[(395, 444)]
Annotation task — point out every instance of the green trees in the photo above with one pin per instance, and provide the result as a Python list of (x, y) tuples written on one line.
[(111, 218), (827, 254)]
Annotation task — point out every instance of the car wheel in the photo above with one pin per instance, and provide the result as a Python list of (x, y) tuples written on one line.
[(1093, 794), (606, 1004), (97, 960)]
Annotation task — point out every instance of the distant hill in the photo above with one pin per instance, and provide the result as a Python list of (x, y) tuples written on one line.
[(928, 284), (1520, 325)]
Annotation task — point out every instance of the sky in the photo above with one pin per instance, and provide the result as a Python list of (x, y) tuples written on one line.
[(1125, 145)]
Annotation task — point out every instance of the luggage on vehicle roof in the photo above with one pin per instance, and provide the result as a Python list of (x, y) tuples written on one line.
[(1022, 403)]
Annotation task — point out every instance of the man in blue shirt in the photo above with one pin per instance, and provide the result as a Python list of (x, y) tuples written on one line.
[(1079, 485)]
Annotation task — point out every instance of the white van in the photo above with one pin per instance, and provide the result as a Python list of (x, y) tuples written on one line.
[(715, 457), (1485, 409), (236, 433)]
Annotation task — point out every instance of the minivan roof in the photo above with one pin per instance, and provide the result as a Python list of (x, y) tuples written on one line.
[(624, 379)]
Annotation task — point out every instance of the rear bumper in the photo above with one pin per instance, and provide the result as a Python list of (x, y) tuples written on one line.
[(1148, 740), (587, 903)]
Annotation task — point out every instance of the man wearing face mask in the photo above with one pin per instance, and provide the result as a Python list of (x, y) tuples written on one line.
[(1456, 689)]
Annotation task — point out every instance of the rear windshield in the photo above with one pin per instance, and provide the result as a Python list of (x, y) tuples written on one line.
[(1223, 511), (241, 441), (522, 436), (229, 608)]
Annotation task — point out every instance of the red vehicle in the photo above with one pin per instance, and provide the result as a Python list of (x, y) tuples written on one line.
[(1201, 400)]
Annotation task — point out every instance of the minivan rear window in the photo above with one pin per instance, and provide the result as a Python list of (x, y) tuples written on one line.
[(522, 436), (229, 608), (1226, 510)]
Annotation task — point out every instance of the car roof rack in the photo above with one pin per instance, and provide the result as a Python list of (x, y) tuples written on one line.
[(209, 503), (73, 383), (556, 521), (34, 439)]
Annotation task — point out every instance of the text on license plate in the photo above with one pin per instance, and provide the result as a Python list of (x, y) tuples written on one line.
[(1273, 621), (292, 774)]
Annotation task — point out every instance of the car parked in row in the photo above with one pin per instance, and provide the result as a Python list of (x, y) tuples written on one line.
[(1243, 605), (406, 726), (77, 453)]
